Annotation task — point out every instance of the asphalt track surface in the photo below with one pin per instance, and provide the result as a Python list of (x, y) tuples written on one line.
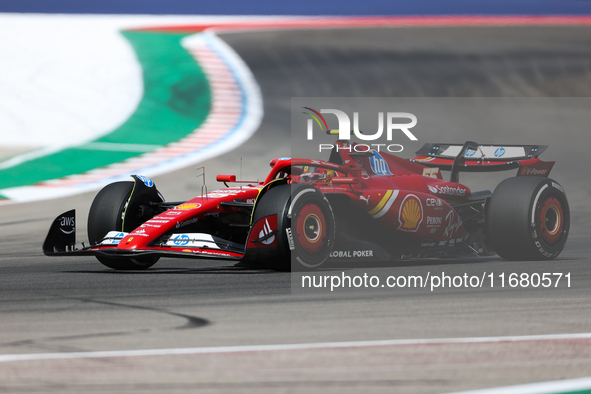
[(74, 304)]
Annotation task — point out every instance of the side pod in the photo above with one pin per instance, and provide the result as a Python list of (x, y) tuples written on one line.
[(62, 234)]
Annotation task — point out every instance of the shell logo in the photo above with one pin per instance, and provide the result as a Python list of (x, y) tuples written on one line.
[(411, 214), (524, 171), (188, 206)]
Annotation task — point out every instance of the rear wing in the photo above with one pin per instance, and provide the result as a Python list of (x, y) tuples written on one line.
[(482, 151), (473, 157)]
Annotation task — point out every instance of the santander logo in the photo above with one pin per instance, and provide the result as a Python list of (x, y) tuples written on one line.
[(448, 191)]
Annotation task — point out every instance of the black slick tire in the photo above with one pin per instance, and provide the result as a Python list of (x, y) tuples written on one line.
[(528, 218), (305, 224), (106, 214), (312, 227)]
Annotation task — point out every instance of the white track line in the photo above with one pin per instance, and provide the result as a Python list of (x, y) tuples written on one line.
[(552, 387), (287, 347)]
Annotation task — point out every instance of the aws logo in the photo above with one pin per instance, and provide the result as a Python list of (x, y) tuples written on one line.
[(67, 224)]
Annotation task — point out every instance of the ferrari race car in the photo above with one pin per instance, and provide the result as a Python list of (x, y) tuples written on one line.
[(361, 206)]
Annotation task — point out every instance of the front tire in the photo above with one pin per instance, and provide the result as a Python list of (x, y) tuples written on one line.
[(305, 224), (312, 228), (528, 218), (107, 213)]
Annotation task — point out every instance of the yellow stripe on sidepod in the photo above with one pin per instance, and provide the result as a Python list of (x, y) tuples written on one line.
[(381, 203)]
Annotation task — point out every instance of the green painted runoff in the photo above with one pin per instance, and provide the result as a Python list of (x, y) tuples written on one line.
[(176, 100)]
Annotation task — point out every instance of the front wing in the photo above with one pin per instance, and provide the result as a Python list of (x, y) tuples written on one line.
[(61, 241)]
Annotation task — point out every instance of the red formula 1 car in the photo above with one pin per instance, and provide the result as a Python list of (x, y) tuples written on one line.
[(359, 206)]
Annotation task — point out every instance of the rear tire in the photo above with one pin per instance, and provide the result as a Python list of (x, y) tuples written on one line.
[(528, 218), (106, 214)]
